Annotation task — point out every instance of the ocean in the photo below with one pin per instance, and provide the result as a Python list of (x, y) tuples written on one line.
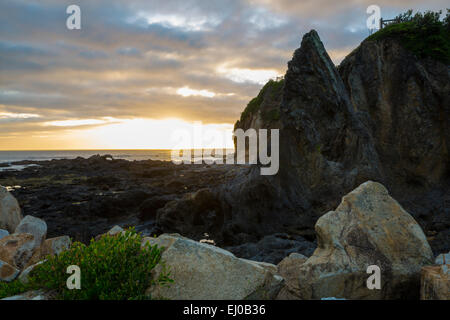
[(8, 157)]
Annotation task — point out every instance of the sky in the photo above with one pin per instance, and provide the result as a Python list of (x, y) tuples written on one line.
[(137, 72)]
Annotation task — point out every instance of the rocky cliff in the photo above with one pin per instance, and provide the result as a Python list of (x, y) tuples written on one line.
[(382, 115)]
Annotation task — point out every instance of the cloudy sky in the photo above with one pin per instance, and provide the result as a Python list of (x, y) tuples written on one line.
[(139, 69)]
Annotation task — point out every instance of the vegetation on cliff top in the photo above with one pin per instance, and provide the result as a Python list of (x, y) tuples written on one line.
[(112, 268), (424, 34), (274, 87)]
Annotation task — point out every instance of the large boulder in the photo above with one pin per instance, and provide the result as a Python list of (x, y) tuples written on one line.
[(35, 226), (10, 214), (17, 249), (205, 272), (368, 228)]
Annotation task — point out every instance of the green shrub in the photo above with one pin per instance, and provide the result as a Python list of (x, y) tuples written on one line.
[(112, 268), (9, 289), (425, 34), (271, 115), (272, 86)]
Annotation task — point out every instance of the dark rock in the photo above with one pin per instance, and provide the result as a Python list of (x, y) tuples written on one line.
[(149, 207), (192, 215), (274, 248)]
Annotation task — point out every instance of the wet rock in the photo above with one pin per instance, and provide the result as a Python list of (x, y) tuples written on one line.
[(273, 248), (192, 214), (149, 207)]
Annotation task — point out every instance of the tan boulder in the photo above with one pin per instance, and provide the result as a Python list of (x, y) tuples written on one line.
[(7, 272), (10, 214), (435, 283), (368, 228), (17, 249), (204, 272)]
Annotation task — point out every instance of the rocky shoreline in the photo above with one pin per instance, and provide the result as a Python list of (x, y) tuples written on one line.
[(368, 229), (82, 198)]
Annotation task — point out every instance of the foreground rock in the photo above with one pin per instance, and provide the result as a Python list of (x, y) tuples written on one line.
[(27, 247), (204, 272), (435, 283), (289, 269), (31, 295), (17, 249), (368, 228), (10, 214), (7, 272), (34, 226)]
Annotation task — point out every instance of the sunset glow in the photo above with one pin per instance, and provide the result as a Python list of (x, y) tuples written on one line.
[(125, 134)]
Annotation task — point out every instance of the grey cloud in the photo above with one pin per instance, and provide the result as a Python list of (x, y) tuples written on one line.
[(108, 67)]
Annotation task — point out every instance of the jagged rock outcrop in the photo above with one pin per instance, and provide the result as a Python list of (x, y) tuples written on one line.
[(368, 228), (382, 115)]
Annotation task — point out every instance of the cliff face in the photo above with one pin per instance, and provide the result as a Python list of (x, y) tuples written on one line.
[(382, 115), (405, 104)]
